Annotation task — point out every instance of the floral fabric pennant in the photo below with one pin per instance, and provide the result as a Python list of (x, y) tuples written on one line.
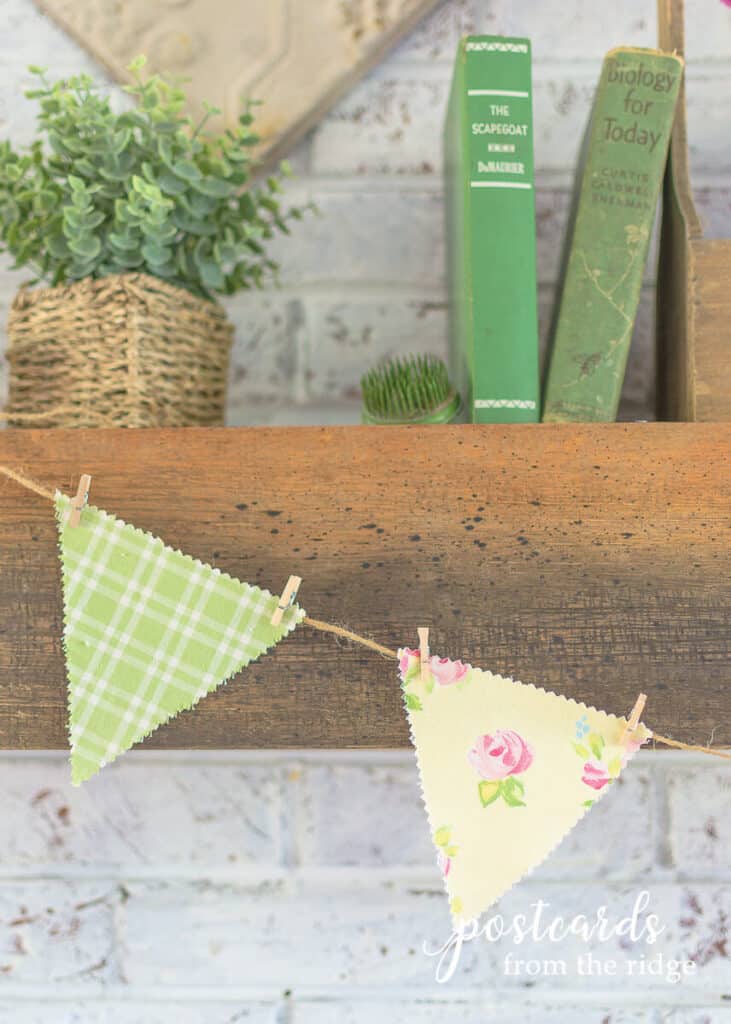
[(506, 770), (148, 631)]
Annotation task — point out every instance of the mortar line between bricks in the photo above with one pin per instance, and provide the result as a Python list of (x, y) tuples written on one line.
[(549, 178), (655, 997), (354, 184), (391, 289), (118, 934), (412, 877), (337, 285), (435, 68), (397, 61), (663, 854), (364, 290), (278, 756), (308, 755), (400, 72), (289, 823), (284, 1013)]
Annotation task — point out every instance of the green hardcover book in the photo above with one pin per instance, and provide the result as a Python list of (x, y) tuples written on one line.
[(618, 184), (491, 231)]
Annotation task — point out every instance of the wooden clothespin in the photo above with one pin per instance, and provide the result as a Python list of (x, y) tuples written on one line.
[(424, 653), (79, 500), (634, 718), (287, 599)]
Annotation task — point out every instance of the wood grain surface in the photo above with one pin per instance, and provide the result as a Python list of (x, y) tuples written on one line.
[(590, 559), (680, 226), (693, 297), (711, 296)]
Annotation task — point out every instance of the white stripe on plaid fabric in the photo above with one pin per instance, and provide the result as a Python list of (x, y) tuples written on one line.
[(166, 605), (148, 632), (504, 403)]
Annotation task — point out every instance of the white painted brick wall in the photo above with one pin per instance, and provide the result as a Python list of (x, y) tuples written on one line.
[(300, 886), (296, 888)]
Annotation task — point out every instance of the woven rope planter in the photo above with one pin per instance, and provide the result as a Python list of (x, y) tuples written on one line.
[(124, 351)]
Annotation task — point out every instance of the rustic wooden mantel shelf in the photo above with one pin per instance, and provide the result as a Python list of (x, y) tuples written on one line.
[(593, 560)]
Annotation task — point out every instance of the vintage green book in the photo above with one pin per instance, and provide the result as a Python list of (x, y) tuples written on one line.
[(618, 184), (491, 231)]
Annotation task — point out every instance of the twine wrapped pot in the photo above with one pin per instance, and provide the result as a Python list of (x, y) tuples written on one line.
[(127, 350)]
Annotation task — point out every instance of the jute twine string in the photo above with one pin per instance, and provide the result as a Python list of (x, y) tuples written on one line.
[(346, 634), (128, 350), (25, 481)]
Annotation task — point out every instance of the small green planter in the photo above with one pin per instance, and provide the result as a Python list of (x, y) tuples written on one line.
[(415, 389), (448, 412)]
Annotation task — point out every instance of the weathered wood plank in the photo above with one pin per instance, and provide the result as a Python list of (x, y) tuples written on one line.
[(592, 559), (693, 301), (711, 298), (680, 223)]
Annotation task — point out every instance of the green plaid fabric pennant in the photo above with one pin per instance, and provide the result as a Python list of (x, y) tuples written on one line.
[(148, 631)]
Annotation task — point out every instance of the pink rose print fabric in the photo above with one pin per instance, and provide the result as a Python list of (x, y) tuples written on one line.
[(506, 769), (499, 758), (602, 765), (447, 672), (502, 754), (443, 671), (595, 775)]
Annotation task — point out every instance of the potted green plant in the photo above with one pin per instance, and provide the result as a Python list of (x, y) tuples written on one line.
[(132, 224), (410, 389)]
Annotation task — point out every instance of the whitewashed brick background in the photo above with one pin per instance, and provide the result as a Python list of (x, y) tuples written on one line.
[(298, 888)]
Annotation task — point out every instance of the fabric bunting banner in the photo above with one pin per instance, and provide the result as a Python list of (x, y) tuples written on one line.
[(506, 771), (148, 631)]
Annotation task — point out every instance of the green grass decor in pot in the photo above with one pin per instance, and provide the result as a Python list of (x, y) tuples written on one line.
[(413, 389), (131, 223)]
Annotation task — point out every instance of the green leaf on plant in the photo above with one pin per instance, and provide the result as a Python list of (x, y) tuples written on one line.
[(203, 228), (169, 184), (99, 192), (46, 201), (211, 275), (413, 703), (186, 170), (213, 187), (126, 242), (57, 246), (156, 255), (86, 246)]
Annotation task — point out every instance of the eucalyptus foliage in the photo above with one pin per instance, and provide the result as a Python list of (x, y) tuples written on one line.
[(143, 190)]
